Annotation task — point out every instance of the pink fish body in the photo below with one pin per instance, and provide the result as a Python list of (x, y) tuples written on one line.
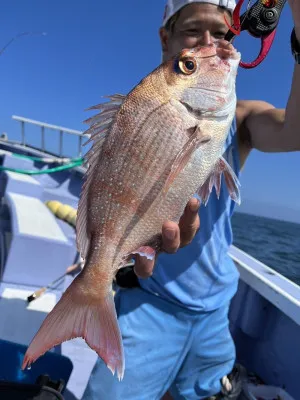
[(152, 151)]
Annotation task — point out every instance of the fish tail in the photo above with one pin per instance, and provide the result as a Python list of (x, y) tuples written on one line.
[(94, 320)]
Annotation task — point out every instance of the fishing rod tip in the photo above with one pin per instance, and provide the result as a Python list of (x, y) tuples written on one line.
[(31, 297)]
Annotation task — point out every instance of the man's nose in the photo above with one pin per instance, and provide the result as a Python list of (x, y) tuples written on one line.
[(206, 39)]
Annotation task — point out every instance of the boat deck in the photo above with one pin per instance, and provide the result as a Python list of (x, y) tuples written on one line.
[(36, 247)]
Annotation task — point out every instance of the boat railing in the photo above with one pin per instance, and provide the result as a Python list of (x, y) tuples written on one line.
[(60, 129), (270, 284)]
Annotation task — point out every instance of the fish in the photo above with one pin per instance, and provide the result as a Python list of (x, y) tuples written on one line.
[(152, 150)]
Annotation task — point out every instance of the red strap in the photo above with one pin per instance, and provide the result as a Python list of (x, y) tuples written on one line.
[(236, 27), (266, 43)]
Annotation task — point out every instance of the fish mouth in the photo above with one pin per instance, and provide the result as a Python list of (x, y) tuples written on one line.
[(200, 113), (207, 114), (196, 113)]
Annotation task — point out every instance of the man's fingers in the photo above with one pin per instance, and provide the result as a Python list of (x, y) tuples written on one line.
[(189, 222), (143, 267), (173, 237), (170, 237)]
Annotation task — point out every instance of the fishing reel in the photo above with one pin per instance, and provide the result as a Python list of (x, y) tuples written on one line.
[(261, 21)]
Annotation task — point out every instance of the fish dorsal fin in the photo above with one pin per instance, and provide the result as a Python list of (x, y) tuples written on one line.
[(100, 125)]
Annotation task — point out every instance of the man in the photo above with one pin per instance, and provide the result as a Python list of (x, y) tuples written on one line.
[(175, 323)]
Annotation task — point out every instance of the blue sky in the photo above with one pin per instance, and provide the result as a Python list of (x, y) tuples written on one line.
[(93, 48)]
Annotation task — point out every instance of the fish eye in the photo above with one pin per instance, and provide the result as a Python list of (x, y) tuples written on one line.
[(187, 65)]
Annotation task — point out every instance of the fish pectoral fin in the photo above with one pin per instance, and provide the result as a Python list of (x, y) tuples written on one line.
[(196, 140), (94, 320), (214, 180)]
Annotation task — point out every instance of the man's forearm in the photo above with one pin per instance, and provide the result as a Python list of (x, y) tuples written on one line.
[(292, 114), (277, 130)]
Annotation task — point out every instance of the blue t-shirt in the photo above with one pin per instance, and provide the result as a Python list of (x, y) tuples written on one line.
[(201, 276)]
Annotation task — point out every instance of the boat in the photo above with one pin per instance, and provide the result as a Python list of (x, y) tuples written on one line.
[(39, 192)]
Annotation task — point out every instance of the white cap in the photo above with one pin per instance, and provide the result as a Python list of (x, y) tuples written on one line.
[(173, 6)]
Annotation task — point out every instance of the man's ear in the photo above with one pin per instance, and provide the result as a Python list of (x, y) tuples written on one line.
[(164, 38)]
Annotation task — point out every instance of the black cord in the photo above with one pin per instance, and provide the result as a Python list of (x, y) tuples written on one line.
[(53, 391)]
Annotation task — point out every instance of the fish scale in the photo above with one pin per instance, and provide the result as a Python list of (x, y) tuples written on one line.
[(152, 150)]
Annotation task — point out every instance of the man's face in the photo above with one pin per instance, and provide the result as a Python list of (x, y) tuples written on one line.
[(197, 24)]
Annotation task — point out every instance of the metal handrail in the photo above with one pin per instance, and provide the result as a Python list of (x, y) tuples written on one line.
[(62, 130)]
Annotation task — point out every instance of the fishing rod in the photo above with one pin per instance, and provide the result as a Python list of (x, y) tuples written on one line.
[(38, 293), (260, 21), (71, 269), (18, 36)]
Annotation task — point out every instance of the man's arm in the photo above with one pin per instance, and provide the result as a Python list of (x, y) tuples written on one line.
[(266, 128)]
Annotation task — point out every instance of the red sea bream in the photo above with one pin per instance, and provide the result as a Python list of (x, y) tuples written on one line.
[(152, 151)]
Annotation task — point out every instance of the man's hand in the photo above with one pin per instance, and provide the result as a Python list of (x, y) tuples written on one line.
[(173, 236)]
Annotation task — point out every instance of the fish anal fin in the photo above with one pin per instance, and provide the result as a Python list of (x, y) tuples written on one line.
[(100, 126), (194, 142), (94, 321), (214, 180)]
